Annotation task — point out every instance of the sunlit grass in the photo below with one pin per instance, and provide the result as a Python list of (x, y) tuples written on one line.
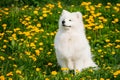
[(27, 49)]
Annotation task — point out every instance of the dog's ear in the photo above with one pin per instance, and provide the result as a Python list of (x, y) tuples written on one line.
[(79, 15), (64, 12)]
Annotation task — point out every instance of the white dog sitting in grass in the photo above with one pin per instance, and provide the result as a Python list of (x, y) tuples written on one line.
[(71, 46)]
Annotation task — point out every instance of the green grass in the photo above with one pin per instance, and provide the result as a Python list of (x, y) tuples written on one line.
[(27, 35)]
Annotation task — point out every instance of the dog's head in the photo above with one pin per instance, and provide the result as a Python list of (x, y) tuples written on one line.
[(70, 20)]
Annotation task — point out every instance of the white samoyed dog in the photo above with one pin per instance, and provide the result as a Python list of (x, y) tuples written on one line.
[(71, 46)]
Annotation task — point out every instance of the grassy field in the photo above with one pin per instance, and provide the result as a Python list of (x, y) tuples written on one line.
[(27, 35)]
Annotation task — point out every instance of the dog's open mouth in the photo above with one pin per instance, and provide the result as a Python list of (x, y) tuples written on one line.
[(66, 25)]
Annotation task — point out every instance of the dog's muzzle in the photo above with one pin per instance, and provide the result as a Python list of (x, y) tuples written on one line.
[(63, 24)]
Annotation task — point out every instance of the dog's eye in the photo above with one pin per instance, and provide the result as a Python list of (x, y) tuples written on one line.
[(70, 20)]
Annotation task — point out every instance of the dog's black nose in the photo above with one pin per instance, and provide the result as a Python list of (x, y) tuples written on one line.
[(63, 22)]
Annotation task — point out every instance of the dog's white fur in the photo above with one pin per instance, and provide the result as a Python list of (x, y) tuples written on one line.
[(71, 46)]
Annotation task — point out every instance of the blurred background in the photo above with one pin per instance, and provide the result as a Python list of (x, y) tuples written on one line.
[(9, 3)]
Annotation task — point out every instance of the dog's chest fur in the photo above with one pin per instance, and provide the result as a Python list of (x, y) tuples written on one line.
[(69, 44)]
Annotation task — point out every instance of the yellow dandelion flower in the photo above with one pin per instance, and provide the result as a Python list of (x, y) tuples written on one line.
[(89, 37), (102, 56), (107, 7), (52, 33), (47, 34), (52, 44), (87, 8), (117, 46), (113, 22), (98, 14), (6, 9), (48, 53), (27, 19), (10, 74), (37, 52), (44, 9), (41, 30), (85, 3), (118, 4), (36, 30), (110, 44), (27, 52), (64, 69), (2, 77), (102, 79), (59, 4), (107, 40), (72, 5), (108, 3), (37, 8), (18, 72), (2, 58), (117, 41), (4, 46), (99, 5), (84, 16), (38, 25), (14, 36), (49, 64), (47, 79), (6, 13), (92, 8), (50, 13), (14, 65), (113, 15), (116, 20), (10, 79), (37, 69), (5, 41), (96, 28), (90, 70), (66, 78), (9, 57), (113, 52), (104, 20), (32, 44), (33, 57), (35, 12), (13, 59), (24, 22), (16, 29), (9, 31), (115, 76), (116, 9), (101, 18), (22, 9), (41, 43), (26, 6), (40, 17), (77, 71), (44, 15), (116, 73), (99, 50), (41, 49), (54, 73), (4, 26), (10, 38)]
